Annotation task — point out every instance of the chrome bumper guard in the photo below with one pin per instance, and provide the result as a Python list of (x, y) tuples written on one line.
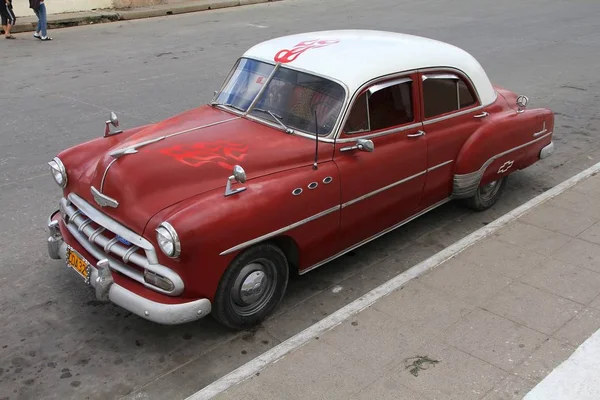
[(547, 151), (102, 281)]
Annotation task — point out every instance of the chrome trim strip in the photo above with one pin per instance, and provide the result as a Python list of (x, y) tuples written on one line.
[(280, 231), (456, 114), (465, 185), (106, 173), (84, 224), (398, 225), (377, 87), (373, 193), (378, 134), (95, 234), (424, 77), (439, 165), (540, 132)]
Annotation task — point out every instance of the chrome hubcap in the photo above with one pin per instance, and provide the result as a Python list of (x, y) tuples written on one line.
[(488, 191), (252, 287)]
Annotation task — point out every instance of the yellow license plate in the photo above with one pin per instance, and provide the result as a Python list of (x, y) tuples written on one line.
[(78, 263)]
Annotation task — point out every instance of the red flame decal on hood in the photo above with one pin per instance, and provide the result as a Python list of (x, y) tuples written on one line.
[(223, 153), (287, 56)]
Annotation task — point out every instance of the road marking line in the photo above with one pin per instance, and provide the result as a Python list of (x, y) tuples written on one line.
[(576, 378), (259, 363)]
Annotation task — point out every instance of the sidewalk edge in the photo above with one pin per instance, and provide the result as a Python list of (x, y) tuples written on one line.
[(259, 363)]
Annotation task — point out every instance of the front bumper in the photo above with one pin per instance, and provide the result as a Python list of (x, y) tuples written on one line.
[(101, 279)]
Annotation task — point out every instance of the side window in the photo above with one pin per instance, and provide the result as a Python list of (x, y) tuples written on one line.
[(444, 93), (382, 106)]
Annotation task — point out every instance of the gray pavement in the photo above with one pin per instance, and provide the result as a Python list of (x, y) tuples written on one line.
[(490, 323), (58, 342)]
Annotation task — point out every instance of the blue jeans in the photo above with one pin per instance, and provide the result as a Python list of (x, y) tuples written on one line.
[(42, 22)]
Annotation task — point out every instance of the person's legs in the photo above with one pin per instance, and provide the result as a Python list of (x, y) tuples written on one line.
[(39, 25), (11, 20), (43, 22)]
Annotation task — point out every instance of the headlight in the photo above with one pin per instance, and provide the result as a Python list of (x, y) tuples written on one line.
[(168, 241), (59, 172)]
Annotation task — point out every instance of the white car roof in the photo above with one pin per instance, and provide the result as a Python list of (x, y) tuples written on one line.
[(354, 57)]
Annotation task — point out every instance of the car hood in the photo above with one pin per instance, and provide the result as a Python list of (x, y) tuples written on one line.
[(194, 152)]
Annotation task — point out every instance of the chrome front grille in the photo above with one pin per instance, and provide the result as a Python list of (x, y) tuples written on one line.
[(103, 237)]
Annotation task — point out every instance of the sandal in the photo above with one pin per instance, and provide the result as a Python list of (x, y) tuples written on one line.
[(10, 37)]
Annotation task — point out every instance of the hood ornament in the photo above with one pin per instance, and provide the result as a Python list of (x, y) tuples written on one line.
[(239, 175), (103, 200)]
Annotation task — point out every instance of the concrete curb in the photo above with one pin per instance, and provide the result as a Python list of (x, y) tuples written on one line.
[(57, 21)]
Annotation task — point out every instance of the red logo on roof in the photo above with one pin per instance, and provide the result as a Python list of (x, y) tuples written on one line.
[(287, 56)]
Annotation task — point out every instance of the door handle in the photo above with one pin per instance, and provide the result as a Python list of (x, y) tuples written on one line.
[(482, 115), (417, 134)]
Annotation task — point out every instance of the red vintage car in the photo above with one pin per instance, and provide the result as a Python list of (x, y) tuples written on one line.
[(315, 144)]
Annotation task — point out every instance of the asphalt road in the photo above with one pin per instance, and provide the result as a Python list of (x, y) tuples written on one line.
[(56, 341)]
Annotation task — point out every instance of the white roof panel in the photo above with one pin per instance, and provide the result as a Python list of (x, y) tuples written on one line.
[(354, 57)]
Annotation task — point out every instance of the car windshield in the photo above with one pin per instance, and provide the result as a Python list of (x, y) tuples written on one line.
[(294, 100)]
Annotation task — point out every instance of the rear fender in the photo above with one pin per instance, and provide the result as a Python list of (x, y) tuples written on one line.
[(509, 141)]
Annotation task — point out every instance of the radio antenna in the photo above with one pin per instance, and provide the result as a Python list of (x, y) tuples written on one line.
[(316, 141)]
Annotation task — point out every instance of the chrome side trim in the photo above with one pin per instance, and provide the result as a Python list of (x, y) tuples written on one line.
[(465, 185), (374, 192), (406, 221), (456, 114), (439, 165), (280, 231), (378, 134), (540, 132), (106, 173)]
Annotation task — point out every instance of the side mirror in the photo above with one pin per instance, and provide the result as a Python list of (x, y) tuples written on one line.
[(522, 103), (239, 175), (114, 121), (362, 145)]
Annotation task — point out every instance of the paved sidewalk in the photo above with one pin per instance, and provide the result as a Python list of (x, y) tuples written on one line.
[(489, 323), (29, 23)]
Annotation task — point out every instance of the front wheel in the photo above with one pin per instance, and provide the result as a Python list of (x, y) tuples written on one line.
[(251, 287), (487, 195)]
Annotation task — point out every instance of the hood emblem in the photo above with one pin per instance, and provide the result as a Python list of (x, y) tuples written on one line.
[(103, 200)]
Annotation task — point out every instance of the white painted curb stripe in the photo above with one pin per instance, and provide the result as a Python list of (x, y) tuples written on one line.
[(259, 363), (577, 378)]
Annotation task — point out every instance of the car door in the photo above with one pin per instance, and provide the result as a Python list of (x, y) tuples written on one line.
[(381, 154), (451, 113)]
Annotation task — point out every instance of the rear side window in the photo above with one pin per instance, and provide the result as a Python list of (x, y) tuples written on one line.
[(382, 106), (444, 93)]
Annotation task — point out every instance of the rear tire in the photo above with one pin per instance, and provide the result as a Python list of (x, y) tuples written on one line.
[(487, 195), (251, 287)]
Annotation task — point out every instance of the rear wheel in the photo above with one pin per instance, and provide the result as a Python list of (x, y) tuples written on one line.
[(252, 287), (487, 195)]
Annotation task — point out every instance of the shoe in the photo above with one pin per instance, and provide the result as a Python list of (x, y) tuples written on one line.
[(45, 38)]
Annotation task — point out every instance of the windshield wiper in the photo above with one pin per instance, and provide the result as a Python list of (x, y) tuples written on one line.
[(277, 119), (229, 105)]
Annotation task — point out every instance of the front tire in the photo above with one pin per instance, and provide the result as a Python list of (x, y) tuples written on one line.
[(487, 195), (251, 287)]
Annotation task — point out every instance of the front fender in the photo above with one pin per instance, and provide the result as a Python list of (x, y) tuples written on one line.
[(213, 228)]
